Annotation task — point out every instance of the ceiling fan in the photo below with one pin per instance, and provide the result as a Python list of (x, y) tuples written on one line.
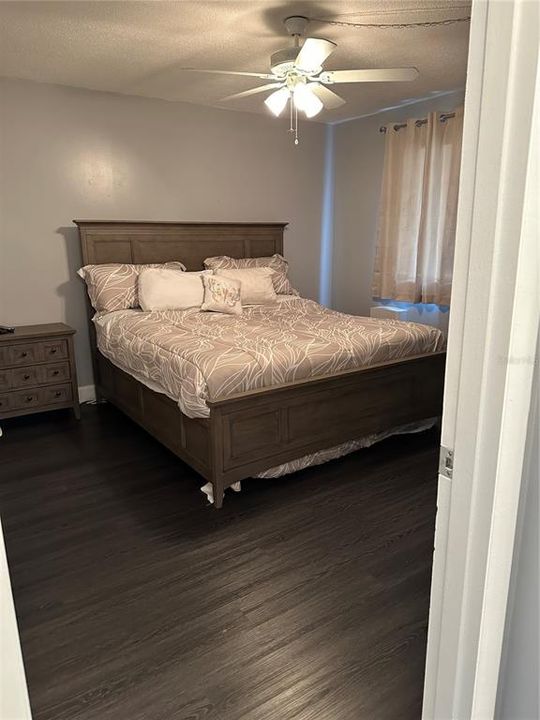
[(298, 75)]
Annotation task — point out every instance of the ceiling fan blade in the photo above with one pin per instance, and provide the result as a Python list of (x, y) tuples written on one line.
[(263, 76), (380, 75), (313, 53), (329, 98), (253, 91)]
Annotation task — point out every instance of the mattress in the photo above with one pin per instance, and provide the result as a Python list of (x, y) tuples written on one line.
[(195, 356)]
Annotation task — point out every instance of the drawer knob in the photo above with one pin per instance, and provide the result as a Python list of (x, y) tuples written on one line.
[(52, 351), (55, 372), (24, 354), (26, 377), (29, 398), (57, 393)]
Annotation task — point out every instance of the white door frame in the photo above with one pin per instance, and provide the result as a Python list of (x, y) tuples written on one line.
[(14, 702), (491, 355)]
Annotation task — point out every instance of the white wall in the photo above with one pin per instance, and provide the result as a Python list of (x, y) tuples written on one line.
[(67, 153), (358, 165)]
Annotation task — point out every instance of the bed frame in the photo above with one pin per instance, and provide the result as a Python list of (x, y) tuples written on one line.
[(252, 431)]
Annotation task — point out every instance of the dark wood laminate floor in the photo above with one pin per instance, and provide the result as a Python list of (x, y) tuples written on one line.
[(305, 598)]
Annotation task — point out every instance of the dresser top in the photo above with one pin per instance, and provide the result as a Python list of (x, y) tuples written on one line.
[(30, 332)]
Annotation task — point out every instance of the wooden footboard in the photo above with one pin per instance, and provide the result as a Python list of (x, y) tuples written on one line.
[(254, 431), (257, 430)]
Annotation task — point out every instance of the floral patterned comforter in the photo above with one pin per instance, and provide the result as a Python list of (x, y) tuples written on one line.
[(195, 356)]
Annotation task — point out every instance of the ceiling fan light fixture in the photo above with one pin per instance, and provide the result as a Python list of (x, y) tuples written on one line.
[(306, 100), (297, 74), (277, 100)]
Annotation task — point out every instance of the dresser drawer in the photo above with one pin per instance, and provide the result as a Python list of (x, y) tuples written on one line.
[(55, 373), (33, 353), (20, 400), (4, 403), (24, 354), (21, 377), (25, 377), (54, 349), (55, 394), (5, 380), (39, 397)]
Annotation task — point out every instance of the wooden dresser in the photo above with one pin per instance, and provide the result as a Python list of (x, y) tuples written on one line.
[(37, 370)]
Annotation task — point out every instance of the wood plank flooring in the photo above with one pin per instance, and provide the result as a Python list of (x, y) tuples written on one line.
[(305, 598)]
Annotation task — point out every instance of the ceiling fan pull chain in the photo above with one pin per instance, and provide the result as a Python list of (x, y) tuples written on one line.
[(295, 125), (291, 129)]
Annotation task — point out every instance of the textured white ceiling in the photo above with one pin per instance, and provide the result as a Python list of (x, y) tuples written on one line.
[(138, 48)]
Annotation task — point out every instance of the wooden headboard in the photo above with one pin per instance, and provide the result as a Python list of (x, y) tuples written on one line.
[(105, 241)]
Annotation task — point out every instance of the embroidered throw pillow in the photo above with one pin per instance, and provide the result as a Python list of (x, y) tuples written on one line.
[(276, 262), (113, 286), (221, 295)]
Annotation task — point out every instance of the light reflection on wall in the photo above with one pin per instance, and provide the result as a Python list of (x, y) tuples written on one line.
[(99, 173), (327, 220)]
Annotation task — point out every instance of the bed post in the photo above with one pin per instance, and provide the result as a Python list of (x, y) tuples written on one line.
[(216, 456), (219, 492)]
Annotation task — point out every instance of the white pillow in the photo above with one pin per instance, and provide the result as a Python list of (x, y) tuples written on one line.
[(164, 289), (256, 287)]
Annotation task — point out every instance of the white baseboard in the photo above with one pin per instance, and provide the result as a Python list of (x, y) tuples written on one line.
[(87, 393)]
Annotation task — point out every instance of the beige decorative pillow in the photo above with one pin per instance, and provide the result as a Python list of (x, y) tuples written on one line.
[(113, 286), (276, 262), (221, 295), (256, 287), (166, 289)]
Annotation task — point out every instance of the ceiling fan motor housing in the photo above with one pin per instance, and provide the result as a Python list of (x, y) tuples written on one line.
[(283, 60), (296, 24)]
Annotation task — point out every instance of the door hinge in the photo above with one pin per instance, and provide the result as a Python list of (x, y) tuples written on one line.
[(446, 462)]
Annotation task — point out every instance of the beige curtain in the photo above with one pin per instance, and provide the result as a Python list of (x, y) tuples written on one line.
[(417, 221)]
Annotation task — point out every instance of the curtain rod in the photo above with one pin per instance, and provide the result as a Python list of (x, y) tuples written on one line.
[(443, 118)]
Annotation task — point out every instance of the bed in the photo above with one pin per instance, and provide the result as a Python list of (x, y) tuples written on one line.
[(251, 413)]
